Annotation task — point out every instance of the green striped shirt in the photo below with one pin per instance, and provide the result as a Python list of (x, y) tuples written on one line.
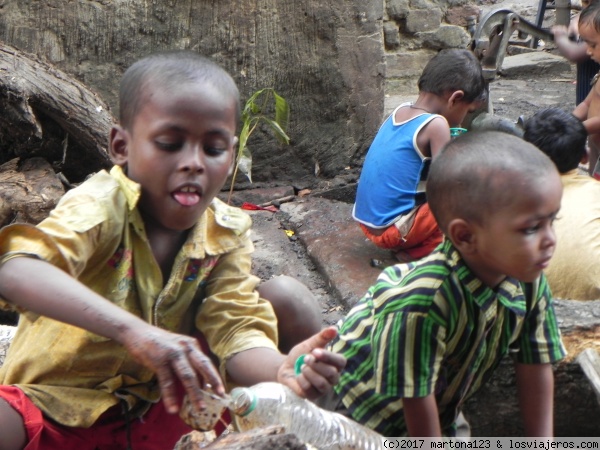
[(433, 327)]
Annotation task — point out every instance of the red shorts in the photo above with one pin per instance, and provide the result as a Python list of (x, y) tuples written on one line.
[(422, 238), (156, 430)]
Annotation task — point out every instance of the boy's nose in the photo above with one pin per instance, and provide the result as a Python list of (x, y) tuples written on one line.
[(549, 239), (193, 160)]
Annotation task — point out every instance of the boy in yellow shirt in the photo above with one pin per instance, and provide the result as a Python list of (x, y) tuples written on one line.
[(129, 265)]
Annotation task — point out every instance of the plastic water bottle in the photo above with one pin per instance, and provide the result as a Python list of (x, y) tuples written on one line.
[(272, 403)]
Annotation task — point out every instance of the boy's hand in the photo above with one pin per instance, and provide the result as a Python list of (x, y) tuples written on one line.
[(173, 356), (321, 369), (560, 31)]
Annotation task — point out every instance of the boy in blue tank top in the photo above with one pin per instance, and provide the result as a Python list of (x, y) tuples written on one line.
[(390, 204)]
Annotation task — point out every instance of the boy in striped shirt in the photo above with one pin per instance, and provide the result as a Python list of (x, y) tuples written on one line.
[(428, 334)]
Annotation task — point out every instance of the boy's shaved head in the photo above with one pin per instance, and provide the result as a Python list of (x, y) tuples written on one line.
[(481, 172), (169, 70)]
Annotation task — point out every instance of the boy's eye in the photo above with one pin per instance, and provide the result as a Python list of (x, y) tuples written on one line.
[(216, 147), (531, 230), (169, 146), (214, 151)]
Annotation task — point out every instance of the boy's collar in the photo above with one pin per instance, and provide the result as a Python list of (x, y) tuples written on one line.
[(509, 292), (130, 188)]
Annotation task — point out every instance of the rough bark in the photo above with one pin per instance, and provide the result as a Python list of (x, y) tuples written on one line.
[(47, 113), (28, 191)]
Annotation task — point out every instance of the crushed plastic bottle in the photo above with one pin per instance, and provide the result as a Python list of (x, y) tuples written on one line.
[(272, 403), (207, 418)]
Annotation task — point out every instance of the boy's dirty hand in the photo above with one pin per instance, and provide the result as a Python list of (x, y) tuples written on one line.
[(321, 368), (175, 357)]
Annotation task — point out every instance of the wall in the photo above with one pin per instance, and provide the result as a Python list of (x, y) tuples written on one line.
[(333, 61)]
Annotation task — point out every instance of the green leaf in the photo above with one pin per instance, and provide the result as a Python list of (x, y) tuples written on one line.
[(244, 134), (245, 163), (278, 131), (282, 112), (256, 109), (251, 107)]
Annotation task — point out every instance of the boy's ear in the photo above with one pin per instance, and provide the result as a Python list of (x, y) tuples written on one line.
[(117, 145), (462, 235), (456, 96)]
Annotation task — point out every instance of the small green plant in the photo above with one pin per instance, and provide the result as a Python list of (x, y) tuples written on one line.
[(265, 105)]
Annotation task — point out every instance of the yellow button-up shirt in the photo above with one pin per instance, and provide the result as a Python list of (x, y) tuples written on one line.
[(96, 234)]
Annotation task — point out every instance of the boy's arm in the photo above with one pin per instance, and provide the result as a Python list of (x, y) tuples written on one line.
[(439, 135), (57, 295), (535, 386), (319, 374), (592, 125), (421, 416)]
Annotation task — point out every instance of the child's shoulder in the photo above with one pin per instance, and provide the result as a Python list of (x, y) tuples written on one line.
[(98, 183), (427, 276), (101, 187), (92, 202)]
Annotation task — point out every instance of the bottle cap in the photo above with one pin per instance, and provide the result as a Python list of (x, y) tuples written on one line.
[(243, 401), (299, 364)]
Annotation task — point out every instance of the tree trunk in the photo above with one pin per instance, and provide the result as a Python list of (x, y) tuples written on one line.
[(47, 113)]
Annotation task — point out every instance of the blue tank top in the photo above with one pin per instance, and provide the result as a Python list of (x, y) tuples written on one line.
[(392, 180)]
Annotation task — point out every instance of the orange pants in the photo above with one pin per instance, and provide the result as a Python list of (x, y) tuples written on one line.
[(424, 235)]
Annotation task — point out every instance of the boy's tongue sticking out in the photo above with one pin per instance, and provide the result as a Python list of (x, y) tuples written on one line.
[(187, 196)]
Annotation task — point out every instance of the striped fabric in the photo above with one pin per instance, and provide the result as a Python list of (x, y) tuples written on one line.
[(433, 327)]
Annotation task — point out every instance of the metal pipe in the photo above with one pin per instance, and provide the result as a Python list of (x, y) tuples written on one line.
[(563, 12)]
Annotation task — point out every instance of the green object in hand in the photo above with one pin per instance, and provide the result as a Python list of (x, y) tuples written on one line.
[(456, 131), (299, 364)]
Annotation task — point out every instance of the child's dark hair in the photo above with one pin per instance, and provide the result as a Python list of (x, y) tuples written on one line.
[(454, 70), (590, 15), (560, 135), (166, 70), (481, 172)]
